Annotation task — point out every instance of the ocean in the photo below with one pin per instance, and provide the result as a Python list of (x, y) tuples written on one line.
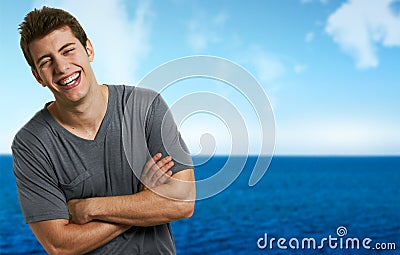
[(302, 205)]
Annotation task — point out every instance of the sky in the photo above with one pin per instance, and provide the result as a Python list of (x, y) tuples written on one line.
[(329, 68)]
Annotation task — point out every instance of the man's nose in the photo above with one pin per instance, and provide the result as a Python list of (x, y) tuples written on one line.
[(61, 65)]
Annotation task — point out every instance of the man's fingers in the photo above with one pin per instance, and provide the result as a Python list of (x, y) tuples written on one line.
[(162, 162), (167, 166), (161, 175), (157, 171), (150, 163), (161, 168), (157, 157), (164, 178)]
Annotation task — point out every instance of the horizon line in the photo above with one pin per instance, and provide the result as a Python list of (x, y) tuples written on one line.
[(283, 155)]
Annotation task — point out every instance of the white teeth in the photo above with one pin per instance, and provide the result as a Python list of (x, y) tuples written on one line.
[(69, 79)]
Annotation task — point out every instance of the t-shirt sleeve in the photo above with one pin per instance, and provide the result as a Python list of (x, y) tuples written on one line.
[(163, 136), (38, 192)]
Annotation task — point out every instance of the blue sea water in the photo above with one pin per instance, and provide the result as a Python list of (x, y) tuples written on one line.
[(299, 197)]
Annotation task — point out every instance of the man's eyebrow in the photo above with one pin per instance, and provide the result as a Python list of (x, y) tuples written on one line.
[(48, 55), (65, 46)]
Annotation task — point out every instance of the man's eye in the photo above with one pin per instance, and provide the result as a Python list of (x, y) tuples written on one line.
[(69, 51), (44, 63)]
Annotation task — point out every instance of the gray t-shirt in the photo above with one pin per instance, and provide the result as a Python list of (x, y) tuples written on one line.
[(53, 166)]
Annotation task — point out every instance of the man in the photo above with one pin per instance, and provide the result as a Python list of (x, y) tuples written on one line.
[(76, 187)]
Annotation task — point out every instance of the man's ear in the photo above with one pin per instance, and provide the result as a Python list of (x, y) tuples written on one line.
[(37, 77), (89, 50)]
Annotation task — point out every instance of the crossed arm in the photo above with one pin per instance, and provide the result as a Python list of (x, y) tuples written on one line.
[(96, 221)]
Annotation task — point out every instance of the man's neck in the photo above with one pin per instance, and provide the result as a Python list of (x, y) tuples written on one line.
[(84, 118)]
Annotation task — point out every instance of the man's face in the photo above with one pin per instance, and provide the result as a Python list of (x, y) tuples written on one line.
[(63, 65)]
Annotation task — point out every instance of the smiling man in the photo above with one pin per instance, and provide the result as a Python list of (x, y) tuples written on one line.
[(76, 187)]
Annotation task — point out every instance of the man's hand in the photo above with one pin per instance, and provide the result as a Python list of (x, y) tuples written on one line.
[(77, 211), (155, 172)]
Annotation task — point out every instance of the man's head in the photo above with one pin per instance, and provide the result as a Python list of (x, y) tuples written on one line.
[(39, 23), (59, 53)]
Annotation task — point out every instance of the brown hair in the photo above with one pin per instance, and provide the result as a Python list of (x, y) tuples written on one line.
[(39, 23)]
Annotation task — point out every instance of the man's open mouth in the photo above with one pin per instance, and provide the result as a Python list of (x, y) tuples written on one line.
[(70, 80)]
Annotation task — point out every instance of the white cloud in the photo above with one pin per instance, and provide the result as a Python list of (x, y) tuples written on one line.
[(268, 68), (309, 37), (204, 30), (220, 19), (359, 25), (300, 68), (120, 41)]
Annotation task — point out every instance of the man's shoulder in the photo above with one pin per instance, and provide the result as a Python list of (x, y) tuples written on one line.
[(128, 92), (37, 128), (140, 91), (145, 91), (135, 96)]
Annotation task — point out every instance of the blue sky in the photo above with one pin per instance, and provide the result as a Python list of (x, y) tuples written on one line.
[(328, 67)]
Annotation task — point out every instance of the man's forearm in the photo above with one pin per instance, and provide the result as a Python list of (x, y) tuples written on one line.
[(163, 204), (142, 209), (62, 237)]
